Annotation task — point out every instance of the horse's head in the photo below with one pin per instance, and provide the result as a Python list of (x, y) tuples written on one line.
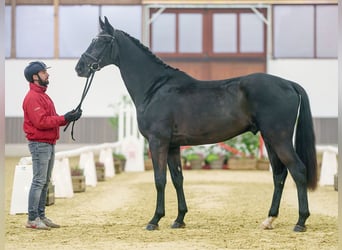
[(99, 53)]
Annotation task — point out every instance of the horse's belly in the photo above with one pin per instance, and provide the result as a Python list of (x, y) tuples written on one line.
[(209, 132)]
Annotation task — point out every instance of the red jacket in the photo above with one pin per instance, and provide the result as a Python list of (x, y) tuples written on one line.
[(41, 122)]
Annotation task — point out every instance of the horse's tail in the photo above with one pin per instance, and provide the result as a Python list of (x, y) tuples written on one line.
[(305, 139)]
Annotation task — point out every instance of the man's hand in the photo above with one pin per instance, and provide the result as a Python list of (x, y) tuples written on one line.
[(73, 115)]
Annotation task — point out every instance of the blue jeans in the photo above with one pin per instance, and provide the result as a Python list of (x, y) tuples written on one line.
[(43, 157)]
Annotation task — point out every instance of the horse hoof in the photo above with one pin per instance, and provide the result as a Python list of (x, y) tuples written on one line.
[(152, 227), (299, 228), (178, 225), (267, 224)]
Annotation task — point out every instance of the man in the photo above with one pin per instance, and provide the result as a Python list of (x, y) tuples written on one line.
[(41, 125)]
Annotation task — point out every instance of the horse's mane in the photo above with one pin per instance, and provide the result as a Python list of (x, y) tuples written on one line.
[(146, 49)]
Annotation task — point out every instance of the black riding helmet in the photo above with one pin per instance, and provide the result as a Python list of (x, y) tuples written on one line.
[(33, 68)]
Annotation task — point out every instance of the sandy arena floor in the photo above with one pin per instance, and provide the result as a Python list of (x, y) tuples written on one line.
[(225, 207)]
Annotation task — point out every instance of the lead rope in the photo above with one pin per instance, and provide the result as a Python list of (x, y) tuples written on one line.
[(85, 91)]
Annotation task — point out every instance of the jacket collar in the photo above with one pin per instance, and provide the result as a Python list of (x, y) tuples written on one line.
[(37, 88)]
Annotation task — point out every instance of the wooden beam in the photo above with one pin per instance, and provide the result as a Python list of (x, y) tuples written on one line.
[(161, 2), (76, 2), (30, 2), (213, 2), (56, 28), (13, 29)]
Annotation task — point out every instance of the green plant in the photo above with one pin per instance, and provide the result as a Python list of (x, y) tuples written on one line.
[(212, 157), (216, 152), (193, 153), (192, 156), (247, 143), (119, 156), (251, 144)]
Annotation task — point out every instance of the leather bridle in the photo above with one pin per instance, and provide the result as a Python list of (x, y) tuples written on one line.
[(93, 67)]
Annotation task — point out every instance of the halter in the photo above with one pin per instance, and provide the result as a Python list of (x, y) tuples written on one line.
[(93, 67)]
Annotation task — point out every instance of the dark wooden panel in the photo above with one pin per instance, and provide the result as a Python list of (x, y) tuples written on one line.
[(198, 70), (216, 70), (223, 70)]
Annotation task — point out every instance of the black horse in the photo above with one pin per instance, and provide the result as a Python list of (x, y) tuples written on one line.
[(174, 109)]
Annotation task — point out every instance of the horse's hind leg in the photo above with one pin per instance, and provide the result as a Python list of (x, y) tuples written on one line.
[(290, 159), (279, 178), (174, 162)]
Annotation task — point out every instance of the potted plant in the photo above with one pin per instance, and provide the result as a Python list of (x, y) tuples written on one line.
[(247, 144), (214, 158), (147, 157), (193, 157), (50, 197), (119, 162), (78, 179), (100, 171), (263, 163)]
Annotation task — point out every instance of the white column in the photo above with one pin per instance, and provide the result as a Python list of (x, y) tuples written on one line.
[(87, 163)]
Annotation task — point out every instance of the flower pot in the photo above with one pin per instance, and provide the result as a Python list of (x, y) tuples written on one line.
[(216, 164), (123, 164), (100, 173), (78, 183), (117, 166), (196, 164), (119, 163), (263, 164), (148, 164), (242, 163)]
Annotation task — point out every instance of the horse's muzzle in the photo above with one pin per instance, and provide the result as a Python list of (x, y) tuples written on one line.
[(82, 70)]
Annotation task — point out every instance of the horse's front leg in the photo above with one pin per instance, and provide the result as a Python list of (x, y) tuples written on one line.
[(175, 166), (159, 154)]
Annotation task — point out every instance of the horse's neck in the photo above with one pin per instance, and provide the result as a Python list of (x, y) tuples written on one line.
[(138, 69)]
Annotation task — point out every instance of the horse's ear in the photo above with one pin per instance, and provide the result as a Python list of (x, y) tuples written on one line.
[(101, 23), (108, 27)]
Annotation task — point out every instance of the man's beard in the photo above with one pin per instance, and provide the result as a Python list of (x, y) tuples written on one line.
[(43, 83)]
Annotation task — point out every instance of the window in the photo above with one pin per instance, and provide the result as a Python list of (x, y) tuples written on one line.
[(207, 33), (168, 37), (34, 31), (126, 18), (190, 33), (224, 33), (75, 34), (252, 33), (8, 31), (164, 40), (305, 31), (327, 21)]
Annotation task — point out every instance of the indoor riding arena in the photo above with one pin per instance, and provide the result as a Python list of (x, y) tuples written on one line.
[(106, 193), (226, 209)]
